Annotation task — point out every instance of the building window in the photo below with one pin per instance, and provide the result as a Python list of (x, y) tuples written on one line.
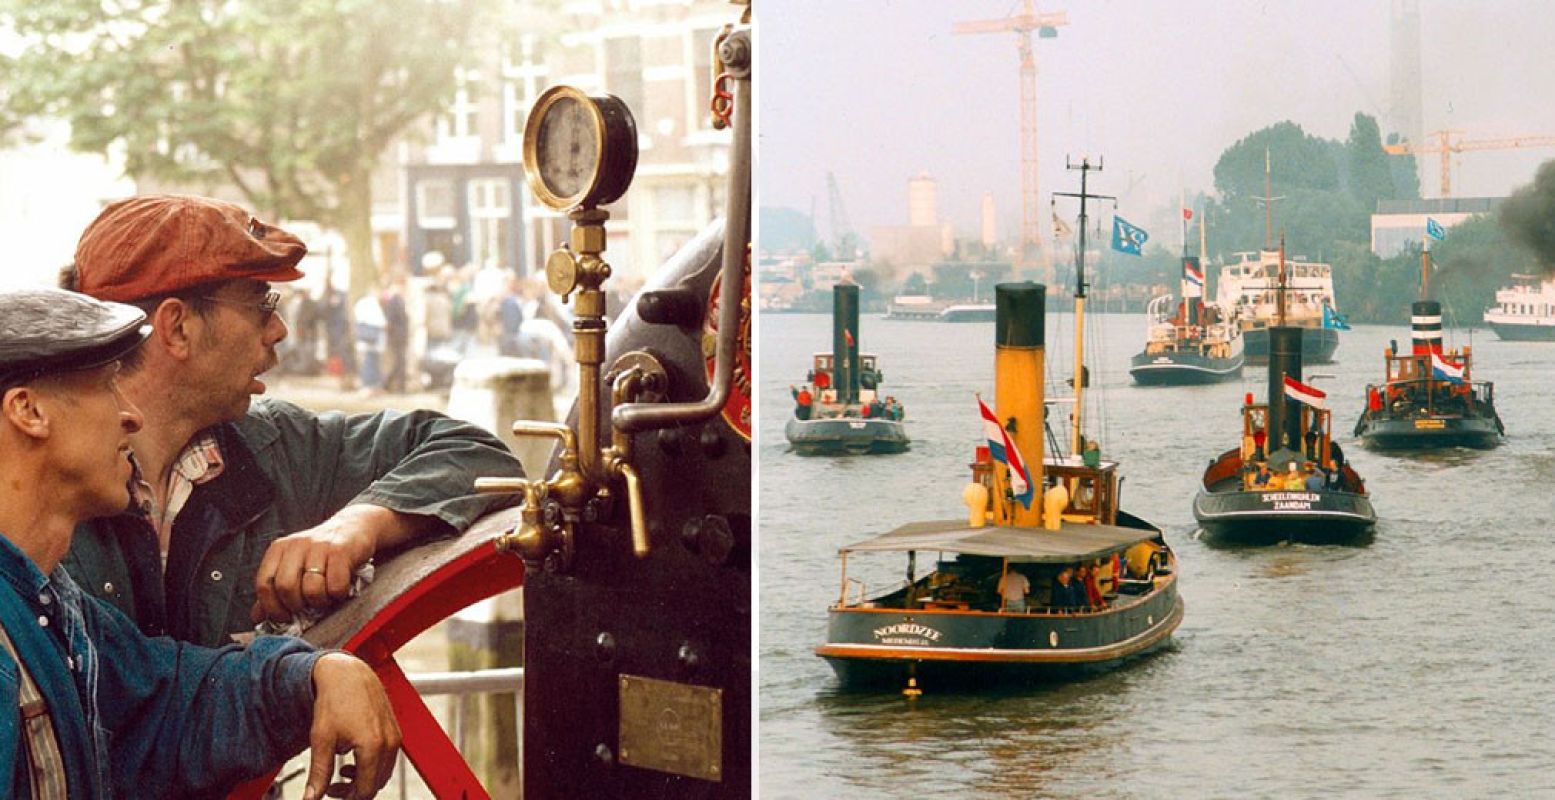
[(624, 73), (435, 207), (491, 210), (514, 110), (463, 117)]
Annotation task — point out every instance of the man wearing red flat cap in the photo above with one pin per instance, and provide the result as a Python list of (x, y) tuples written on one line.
[(244, 509)]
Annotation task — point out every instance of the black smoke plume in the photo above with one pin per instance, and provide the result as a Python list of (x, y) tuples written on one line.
[(1528, 216)]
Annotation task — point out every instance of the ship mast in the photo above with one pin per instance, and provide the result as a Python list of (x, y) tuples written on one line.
[(1085, 169), (1268, 202), (1279, 293)]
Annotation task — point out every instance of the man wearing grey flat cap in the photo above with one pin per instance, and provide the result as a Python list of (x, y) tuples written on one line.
[(248, 510), (98, 709)]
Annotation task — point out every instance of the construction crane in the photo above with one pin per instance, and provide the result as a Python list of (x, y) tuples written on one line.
[(844, 243), (1022, 24), (1446, 146)]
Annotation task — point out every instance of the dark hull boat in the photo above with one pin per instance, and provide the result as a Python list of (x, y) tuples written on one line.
[(840, 410), (938, 632), (1288, 480), (1183, 368), (1317, 345), (1226, 511), (1432, 434), (1187, 341), (846, 436), (1429, 400)]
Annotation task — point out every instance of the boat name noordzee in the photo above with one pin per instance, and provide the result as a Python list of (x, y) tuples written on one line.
[(900, 629)]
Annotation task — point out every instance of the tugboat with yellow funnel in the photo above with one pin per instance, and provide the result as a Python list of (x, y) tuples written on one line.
[(1288, 480), (1430, 399), (839, 409), (1044, 575)]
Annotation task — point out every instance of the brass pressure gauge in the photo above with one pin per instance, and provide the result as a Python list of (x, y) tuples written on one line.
[(579, 151)]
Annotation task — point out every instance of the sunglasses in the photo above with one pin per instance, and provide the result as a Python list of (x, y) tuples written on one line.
[(267, 305)]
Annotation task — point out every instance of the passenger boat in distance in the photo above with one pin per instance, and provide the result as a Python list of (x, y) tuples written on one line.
[(1260, 286), (839, 410), (1288, 479), (1429, 399), (1000, 600), (922, 308), (1524, 311), (1248, 288)]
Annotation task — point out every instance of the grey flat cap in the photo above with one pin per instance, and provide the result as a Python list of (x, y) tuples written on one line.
[(44, 331)]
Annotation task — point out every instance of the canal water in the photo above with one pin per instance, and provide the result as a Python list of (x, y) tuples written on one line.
[(1420, 663)]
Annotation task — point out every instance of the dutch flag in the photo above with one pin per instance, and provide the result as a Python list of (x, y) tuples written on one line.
[(1193, 274), (1302, 393), (1003, 450), (1442, 370)]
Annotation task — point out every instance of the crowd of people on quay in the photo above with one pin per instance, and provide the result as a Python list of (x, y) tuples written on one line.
[(410, 332)]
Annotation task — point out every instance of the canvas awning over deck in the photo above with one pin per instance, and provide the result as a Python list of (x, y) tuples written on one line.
[(1072, 542)]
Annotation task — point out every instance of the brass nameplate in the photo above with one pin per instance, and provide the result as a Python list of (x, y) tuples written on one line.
[(1430, 423), (672, 727)]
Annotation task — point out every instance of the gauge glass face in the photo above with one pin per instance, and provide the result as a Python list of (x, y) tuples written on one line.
[(567, 147)]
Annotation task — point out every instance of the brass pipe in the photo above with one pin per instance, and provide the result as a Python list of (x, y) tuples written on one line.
[(589, 460), (634, 502), (529, 427), (501, 485), (626, 385)]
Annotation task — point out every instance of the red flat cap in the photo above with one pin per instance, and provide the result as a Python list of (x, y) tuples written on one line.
[(160, 244)]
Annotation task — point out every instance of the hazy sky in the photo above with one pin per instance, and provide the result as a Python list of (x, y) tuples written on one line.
[(877, 91)]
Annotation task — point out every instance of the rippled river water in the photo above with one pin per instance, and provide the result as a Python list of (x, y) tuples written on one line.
[(1421, 663)]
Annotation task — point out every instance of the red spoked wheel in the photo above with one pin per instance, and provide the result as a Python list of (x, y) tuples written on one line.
[(409, 594)]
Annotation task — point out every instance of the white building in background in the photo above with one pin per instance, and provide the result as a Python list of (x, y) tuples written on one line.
[(48, 195), (924, 240), (463, 194), (1400, 223)]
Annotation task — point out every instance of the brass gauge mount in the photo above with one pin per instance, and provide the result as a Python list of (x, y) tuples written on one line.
[(580, 151)]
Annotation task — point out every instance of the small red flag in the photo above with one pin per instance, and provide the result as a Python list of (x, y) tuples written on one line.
[(847, 336), (1187, 213)]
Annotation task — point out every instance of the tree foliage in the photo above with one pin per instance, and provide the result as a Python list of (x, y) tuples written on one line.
[(293, 102)]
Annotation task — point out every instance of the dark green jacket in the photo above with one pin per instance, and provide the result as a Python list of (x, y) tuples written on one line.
[(286, 469)]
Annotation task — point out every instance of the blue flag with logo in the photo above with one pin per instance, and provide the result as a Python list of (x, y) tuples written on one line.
[(1128, 238), (1434, 229)]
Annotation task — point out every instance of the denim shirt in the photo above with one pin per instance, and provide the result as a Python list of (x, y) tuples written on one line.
[(286, 469), (143, 717)]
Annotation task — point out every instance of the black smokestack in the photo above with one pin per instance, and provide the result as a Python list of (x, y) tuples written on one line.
[(845, 341), (1021, 311), (1284, 415), (1528, 216), (1425, 327)]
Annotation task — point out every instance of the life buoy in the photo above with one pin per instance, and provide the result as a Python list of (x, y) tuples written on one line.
[(822, 380)]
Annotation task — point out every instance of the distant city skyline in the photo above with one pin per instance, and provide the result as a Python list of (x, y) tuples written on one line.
[(879, 91)]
